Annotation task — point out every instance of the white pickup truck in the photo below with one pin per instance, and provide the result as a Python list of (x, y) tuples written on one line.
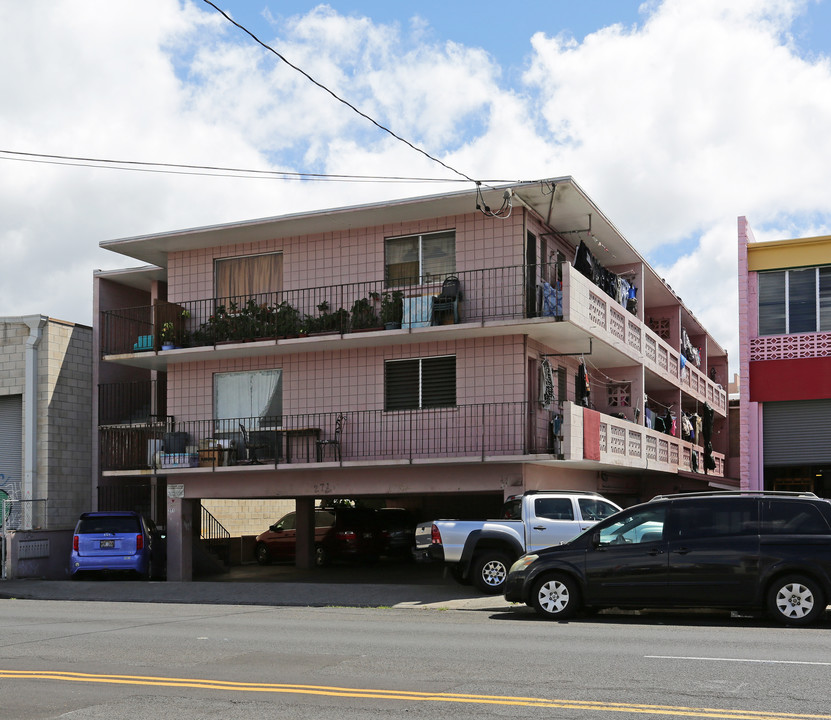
[(482, 551)]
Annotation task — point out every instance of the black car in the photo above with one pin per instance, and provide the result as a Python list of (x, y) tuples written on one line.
[(733, 550)]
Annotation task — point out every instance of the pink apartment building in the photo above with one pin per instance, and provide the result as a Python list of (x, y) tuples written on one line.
[(432, 353), (785, 363)]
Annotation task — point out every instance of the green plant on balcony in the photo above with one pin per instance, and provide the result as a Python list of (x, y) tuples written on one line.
[(392, 309), (286, 320), (327, 321), (167, 335), (364, 314)]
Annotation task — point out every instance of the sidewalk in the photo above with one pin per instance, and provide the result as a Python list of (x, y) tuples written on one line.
[(341, 586)]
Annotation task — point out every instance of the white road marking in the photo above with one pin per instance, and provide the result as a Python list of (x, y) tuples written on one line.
[(738, 660)]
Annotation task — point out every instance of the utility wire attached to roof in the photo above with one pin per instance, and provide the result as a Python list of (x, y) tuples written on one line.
[(337, 97)]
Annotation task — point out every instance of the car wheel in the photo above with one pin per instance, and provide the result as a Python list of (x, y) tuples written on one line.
[(321, 556), (263, 555), (795, 600), (490, 570), (556, 597)]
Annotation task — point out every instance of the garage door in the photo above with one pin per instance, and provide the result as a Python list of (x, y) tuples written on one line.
[(797, 433)]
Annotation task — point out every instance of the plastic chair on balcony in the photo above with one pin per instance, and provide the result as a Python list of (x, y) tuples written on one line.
[(250, 447), (333, 442), (447, 301)]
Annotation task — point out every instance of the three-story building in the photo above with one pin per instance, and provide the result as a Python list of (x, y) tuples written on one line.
[(435, 353)]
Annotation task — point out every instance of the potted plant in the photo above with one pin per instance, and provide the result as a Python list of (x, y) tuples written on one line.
[(364, 315), (326, 321), (167, 335), (392, 309)]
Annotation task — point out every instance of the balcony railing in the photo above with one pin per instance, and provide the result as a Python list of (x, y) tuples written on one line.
[(467, 431), (131, 403), (495, 293), (627, 444)]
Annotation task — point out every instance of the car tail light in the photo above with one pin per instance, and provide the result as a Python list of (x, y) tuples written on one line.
[(139, 541), (435, 536), (75, 543), (347, 535)]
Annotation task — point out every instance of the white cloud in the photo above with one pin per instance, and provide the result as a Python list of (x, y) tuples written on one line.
[(701, 113)]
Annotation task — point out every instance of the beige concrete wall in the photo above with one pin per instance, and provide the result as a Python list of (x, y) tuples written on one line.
[(247, 517)]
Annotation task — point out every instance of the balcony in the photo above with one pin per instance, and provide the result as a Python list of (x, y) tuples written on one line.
[(463, 433), (627, 445), (495, 301)]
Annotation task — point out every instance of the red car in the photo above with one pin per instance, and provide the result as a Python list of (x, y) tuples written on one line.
[(340, 534)]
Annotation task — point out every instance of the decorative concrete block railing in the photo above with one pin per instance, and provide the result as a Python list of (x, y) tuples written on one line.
[(586, 305), (790, 347), (627, 444)]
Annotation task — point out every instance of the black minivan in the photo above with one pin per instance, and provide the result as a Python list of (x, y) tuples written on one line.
[(733, 550)]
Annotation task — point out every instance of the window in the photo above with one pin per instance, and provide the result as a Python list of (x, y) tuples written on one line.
[(420, 383), (255, 397), (795, 301), (645, 525), (554, 508), (792, 517), (594, 510), (249, 275), (415, 259), (706, 519)]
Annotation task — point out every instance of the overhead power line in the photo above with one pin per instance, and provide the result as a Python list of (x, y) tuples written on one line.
[(211, 170), (337, 97)]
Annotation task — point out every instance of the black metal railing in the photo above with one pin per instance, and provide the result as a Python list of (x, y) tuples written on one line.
[(132, 403), (473, 431), (491, 294), (214, 536)]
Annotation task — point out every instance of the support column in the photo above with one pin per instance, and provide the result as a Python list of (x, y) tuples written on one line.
[(305, 534), (180, 513)]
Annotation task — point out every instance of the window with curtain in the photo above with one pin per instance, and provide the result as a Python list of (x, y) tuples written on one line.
[(415, 259), (420, 383), (254, 398), (795, 301), (249, 275)]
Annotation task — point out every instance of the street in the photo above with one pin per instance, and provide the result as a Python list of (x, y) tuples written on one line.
[(88, 660)]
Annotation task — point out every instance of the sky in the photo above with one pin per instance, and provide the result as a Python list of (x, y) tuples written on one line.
[(675, 116)]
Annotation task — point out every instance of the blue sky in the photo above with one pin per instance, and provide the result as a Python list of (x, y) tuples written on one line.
[(675, 116)]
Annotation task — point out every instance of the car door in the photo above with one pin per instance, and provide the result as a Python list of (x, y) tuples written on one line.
[(714, 551), (554, 521), (626, 563), (282, 538)]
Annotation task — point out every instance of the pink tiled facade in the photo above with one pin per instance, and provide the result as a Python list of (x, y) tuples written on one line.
[(497, 437)]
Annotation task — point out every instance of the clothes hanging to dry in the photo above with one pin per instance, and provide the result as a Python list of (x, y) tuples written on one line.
[(583, 389), (546, 395)]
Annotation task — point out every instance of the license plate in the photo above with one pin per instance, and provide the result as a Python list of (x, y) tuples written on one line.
[(107, 544)]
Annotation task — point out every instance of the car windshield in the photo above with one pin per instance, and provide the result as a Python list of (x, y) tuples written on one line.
[(112, 525)]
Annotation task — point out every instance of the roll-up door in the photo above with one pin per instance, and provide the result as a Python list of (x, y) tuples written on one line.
[(798, 432), (11, 450)]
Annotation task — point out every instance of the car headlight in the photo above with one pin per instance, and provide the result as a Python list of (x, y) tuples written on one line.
[(523, 563)]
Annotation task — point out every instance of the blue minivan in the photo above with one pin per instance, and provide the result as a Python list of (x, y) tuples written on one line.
[(117, 541)]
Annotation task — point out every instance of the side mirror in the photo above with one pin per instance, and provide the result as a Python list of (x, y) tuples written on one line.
[(596, 538), (276, 527)]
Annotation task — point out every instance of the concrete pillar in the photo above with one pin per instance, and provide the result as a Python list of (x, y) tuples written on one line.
[(305, 536), (180, 525)]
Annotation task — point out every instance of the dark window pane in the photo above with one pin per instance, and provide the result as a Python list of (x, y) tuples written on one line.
[(702, 519), (772, 303), (802, 300), (401, 384), (825, 299), (438, 382), (554, 508), (792, 517)]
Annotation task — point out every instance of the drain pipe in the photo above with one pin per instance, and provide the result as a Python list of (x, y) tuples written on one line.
[(35, 323)]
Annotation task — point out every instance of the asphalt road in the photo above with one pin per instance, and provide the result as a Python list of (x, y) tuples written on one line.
[(109, 660)]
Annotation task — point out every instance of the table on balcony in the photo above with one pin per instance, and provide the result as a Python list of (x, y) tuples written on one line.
[(277, 439)]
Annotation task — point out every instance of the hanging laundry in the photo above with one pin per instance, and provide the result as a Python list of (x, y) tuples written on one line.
[(546, 395), (583, 389)]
